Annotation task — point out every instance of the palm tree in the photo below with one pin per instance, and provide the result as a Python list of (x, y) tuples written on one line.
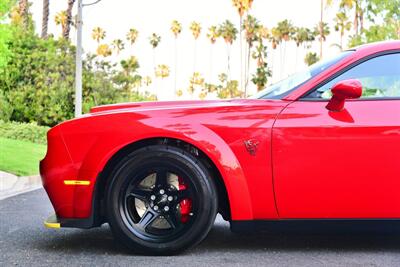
[(132, 36), (176, 29), (195, 27), (286, 30), (67, 28), (154, 40), (322, 31), (311, 58), (212, 35), (61, 19), (196, 81), (301, 36), (118, 45), (228, 32), (251, 26), (23, 10), (104, 50), (242, 6), (342, 25), (98, 34), (358, 21), (275, 38), (162, 71), (45, 18)]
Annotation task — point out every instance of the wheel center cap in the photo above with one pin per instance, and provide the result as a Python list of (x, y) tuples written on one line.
[(162, 200)]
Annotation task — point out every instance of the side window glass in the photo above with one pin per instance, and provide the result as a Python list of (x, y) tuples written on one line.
[(379, 76)]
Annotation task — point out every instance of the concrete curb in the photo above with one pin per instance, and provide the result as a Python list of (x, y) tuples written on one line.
[(12, 185)]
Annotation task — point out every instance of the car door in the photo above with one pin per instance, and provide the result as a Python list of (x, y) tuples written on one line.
[(342, 164)]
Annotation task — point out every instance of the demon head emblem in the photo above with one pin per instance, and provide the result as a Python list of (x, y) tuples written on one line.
[(251, 146)]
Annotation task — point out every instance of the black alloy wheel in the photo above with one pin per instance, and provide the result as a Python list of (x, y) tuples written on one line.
[(161, 200)]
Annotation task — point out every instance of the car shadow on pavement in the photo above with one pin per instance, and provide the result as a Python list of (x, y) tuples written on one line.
[(100, 241)]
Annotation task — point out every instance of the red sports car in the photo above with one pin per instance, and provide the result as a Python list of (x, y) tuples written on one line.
[(322, 145)]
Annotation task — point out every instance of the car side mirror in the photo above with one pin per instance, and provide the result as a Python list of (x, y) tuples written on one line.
[(347, 89)]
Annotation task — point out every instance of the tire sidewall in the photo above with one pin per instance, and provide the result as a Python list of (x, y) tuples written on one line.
[(200, 177)]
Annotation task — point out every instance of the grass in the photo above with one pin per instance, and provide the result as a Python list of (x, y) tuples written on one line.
[(20, 157)]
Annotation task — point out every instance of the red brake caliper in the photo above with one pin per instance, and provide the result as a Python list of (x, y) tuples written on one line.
[(185, 204)]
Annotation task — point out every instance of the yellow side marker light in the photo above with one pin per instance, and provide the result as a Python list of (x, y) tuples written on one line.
[(76, 182)]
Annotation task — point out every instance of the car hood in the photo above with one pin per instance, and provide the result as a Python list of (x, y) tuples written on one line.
[(166, 104)]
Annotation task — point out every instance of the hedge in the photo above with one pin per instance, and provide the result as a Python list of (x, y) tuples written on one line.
[(24, 131)]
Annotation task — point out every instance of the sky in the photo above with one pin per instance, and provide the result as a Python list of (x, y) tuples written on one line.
[(116, 17)]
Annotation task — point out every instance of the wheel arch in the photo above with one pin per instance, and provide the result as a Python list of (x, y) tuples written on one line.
[(227, 189)]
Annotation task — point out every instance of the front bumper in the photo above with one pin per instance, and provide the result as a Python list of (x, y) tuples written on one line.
[(55, 223), (69, 188)]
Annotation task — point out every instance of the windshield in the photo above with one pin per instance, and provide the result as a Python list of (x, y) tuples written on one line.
[(285, 86)]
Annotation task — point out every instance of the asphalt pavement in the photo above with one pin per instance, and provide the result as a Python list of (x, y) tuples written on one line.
[(24, 241)]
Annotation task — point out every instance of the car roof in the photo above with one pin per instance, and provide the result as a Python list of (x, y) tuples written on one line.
[(377, 47)]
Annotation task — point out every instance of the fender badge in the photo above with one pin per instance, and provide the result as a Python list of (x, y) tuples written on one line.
[(251, 146)]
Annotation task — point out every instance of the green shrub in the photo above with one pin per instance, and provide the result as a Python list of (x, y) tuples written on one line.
[(24, 131), (6, 108)]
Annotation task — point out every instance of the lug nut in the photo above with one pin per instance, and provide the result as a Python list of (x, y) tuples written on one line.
[(162, 191), (156, 207), (166, 208), (170, 198), (152, 197)]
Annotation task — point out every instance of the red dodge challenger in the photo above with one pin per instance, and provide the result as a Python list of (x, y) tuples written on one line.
[(321, 146)]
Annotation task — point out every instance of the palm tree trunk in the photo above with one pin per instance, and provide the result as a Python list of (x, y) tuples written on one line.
[(356, 18), (211, 64), (321, 29), (194, 56), (241, 56), (341, 41), (45, 18), (23, 10), (176, 63), (67, 28), (154, 72), (247, 68), (228, 72)]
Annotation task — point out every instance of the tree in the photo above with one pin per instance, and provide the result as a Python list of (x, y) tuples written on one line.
[(118, 45), (176, 29), (196, 82), (285, 30), (67, 28), (61, 18), (357, 7), (322, 31), (104, 50), (98, 34), (132, 36), (195, 28), (154, 40), (260, 78), (251, 27), (302, 36), (162, 71), (212, 35), (23, 7), (342, 25), (45, 18), (242, 6), (128, 78), (311, 58), (228, 32)]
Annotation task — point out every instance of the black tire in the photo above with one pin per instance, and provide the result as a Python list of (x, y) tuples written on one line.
[(124, 188)]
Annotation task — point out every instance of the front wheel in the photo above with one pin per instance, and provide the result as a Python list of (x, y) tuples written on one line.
[(161, 200)]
